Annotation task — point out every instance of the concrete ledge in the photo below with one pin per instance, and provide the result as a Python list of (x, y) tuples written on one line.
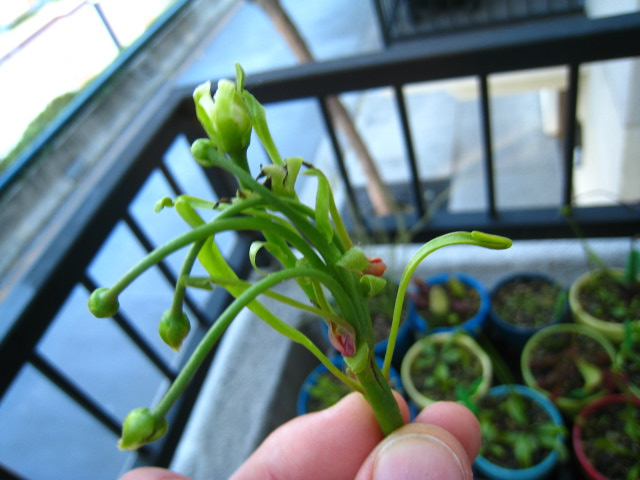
[(252, 386)]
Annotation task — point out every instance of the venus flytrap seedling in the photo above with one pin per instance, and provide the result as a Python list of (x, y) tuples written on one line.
[(311, 245)]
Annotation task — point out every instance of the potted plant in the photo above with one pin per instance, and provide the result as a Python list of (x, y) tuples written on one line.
[(445, 366), (604, 298), (606, 438), (311, 245), (569, 363), (448, 301), (321, 389), (522, 304), (523, 434)]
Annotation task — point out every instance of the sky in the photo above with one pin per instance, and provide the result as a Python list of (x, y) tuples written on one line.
[(58, 50)]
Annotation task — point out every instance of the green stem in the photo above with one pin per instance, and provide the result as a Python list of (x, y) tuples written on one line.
[(379, 396), (187, 265), (247, 299), (328, 250), (201, 232), (454, 238)]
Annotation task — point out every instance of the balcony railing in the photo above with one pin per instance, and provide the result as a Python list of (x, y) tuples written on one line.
[(33, 307), (402, 20)]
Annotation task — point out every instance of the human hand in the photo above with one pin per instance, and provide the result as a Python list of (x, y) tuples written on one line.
[(344, 441)]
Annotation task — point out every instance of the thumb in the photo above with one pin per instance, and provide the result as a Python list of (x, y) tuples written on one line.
[(418, 451)]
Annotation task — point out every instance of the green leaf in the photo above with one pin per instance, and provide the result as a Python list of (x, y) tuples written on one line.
[(372, 285), (204, 109), (259, 119)]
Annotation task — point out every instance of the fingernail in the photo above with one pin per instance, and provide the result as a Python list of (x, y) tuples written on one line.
[(417, 456)]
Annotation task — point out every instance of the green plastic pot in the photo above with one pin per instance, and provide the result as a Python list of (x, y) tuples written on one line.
[(461, 340), (568, 405), (613, 331)]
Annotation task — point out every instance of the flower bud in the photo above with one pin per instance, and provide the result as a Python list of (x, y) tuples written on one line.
[(343, 338), (203, 152), (174, 328), (102, 303), (141, 427), (376, 267), (231, 118)]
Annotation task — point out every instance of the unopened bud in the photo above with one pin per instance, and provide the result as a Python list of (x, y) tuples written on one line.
[(141, 427), (102, 303), (231, 118), (174, 328)]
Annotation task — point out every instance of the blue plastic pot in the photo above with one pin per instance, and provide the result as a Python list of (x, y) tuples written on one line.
[(542, 469), (473, 326), (517, 335), (338, 361)]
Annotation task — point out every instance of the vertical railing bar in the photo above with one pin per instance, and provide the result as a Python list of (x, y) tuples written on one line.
[(382, 21), (7, 474), (170, 179), (162, 266), (570, 133), (75, 393), (411, 154), (485, 115), (326, 115), (133, 334)]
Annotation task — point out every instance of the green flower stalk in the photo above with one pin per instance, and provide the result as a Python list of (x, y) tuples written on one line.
[(310, 244)]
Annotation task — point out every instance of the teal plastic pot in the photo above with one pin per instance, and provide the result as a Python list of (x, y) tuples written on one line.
[(473, 326), (542, 469)]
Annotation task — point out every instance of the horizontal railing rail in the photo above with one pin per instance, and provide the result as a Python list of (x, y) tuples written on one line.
[(29, 309)]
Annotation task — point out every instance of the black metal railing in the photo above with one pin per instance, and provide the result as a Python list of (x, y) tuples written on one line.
[(28, 311)]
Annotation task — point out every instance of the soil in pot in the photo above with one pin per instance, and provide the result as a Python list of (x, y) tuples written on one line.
[(611, 439), (447, 304), (606, 297), (528, 301)]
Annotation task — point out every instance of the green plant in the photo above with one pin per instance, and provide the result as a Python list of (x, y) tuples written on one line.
[(311, 245), (446, 366), (445, 304), (326, 392), (517, 433), (626, 365), (608, 295), (607, 437)]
